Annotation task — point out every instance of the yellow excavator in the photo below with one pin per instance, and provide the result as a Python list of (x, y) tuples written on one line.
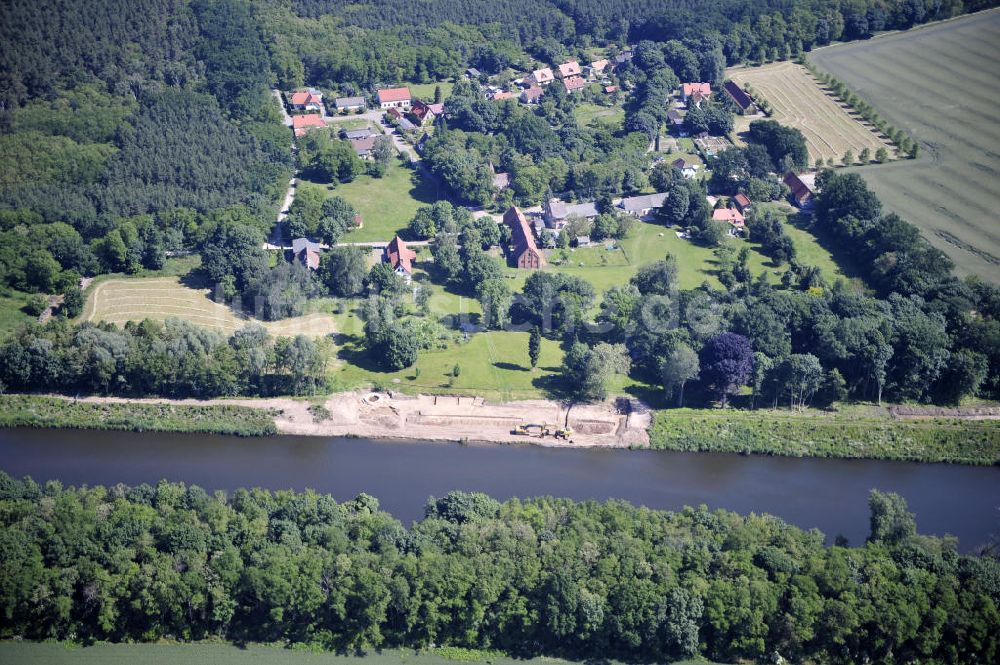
[(529, 429)]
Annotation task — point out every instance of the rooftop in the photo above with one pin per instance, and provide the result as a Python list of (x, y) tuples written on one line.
[(393, 95)]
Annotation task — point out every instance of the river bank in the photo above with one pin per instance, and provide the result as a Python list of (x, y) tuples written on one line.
[(911, 434), (375, 415)]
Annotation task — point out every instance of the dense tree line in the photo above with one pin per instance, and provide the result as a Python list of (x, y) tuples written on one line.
[(171, 359), (541, 576), (110, 142)]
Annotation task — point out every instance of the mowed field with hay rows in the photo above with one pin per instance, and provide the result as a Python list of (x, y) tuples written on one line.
[(798, 100), (119, 300), (941, 84)]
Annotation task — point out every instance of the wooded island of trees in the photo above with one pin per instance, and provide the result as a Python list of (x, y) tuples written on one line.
[(542, 576)]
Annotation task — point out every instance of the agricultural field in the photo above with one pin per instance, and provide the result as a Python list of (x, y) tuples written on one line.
[(386, 204), (117, 300), (799, 101), (940, 84)]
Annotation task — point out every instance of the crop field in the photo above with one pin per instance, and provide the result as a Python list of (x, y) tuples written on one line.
[(941, 84), (119, 300), (799, 101)]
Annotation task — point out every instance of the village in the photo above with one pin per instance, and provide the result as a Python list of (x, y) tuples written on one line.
[(409, 122)]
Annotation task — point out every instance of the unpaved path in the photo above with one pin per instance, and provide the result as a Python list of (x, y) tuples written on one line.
[(443, 418)]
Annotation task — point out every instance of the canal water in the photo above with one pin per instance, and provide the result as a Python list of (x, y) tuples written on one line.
[(830, 495)]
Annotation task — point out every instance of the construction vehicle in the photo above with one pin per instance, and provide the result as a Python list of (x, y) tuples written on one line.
[(525, 429), (563, 433)]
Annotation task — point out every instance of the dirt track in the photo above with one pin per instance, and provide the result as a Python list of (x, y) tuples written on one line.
[(446, 418)]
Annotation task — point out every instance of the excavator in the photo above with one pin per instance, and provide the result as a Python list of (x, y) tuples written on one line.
[(542, 431)]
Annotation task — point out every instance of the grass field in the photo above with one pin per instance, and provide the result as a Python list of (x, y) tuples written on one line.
[(117, 300), (607, 115), (386, 204), (40, 411), (940, 84), (650, 242), (12, 316), (799, 101), (425, 91), (30, 653), (857, 432)]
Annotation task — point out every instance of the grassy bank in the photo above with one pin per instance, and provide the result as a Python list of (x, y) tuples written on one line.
[(38, 411), (207, 653), (869, 434)]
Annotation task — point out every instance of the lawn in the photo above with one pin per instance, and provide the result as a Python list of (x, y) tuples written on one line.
[(118, 299), (585, 114), (207, 653), (386, 204), (494, 365), (951, 192), (799, 101), (425, 91), (12, 316), (648, 242)]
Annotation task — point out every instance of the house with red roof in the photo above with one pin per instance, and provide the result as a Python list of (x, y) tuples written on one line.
[(541, 76), (742, 202), (731, 215), (531, 95), (525, 252), (421, 113), (310, 101), (598, 67), (502, 95), (301, 124), (574, 84), (400, 257), (393, 98), (688, 90), (800, 191), (569, 68)]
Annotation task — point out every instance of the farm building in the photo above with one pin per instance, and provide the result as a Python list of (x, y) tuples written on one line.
[(355, 134), (501, 95), (800, 190), (473, 73), (688, 168), (310, 101), (364, 146), (557, 213), (350, 103), (305, 123), (525, 253), (739, 97), (400, 257), (392, 98), (642, 206), (421, 113), (306, 252)]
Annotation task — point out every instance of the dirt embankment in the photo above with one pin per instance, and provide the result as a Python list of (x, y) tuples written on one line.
[(621, 424), (958, 412)]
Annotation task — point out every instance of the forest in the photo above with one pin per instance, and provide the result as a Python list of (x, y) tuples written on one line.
[(529, 577)]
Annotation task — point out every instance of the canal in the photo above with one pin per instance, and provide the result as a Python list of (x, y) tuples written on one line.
[(830, 495)]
